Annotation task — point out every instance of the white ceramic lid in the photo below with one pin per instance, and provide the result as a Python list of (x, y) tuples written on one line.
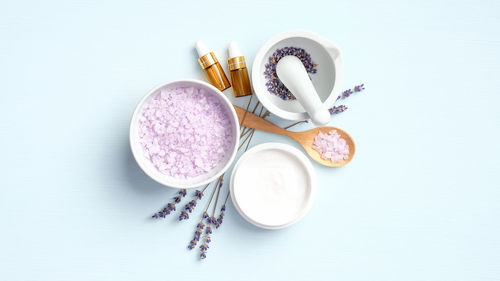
[(273, 185)]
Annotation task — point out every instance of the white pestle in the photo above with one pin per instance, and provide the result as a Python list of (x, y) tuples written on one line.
[(293, 75)]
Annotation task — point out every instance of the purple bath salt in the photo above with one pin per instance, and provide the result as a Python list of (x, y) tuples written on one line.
[(185, 132)]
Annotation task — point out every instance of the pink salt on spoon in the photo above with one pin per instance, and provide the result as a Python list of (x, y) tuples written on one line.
[(344, 145)]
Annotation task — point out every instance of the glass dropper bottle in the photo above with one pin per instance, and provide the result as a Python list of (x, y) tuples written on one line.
[(211, 67), (238, 71)]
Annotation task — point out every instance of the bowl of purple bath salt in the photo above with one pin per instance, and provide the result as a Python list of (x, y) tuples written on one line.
[(184, 134)]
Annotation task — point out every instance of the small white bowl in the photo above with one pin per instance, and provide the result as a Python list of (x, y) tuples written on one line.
[(167, 180), (327, 80), (280, 199)]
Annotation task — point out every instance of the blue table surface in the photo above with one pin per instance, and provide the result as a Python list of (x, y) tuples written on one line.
[(420, 200)]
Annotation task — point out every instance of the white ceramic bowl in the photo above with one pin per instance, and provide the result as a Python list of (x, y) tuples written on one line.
[(327, 80), (167, 180), (265, 189)]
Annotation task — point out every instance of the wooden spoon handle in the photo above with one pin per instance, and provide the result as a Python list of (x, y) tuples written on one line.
[(253, 121)]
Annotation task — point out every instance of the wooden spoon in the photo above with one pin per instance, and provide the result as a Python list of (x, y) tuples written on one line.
[(305, 138)]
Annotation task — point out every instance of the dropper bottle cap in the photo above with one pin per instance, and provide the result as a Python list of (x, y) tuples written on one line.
[(201, 48), (234, 50)]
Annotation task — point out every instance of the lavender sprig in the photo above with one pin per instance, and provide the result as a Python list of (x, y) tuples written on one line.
[(170, 206), (348, 92), (337, 109), (189, 207), (197, 234), (220, 219), (204, 247)]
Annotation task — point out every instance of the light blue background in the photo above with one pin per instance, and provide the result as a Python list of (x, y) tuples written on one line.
[(420, 201)]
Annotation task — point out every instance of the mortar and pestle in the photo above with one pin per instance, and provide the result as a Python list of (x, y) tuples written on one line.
[(316, 93)]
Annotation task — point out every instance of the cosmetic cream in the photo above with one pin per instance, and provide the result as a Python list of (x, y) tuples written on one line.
[(238, 71), (273, 185), (211, 66)]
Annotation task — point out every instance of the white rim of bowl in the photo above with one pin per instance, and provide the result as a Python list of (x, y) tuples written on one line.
[(137, 154), (256, 76), (288, 149)]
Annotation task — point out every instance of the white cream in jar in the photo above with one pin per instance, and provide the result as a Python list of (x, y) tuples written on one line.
[(273, 185)]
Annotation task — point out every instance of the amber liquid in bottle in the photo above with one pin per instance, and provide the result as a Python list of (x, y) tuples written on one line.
[(241, 82), (215, 75), (239, 76)]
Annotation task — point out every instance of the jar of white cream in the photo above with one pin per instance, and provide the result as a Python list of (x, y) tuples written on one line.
[(273, 185)]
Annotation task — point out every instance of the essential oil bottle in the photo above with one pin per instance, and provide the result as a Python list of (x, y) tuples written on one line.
[(238, 71), (211, 66)]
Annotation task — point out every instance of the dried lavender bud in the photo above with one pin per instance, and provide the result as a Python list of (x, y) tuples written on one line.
[(177, 199), (200, 225), (220, 219), (183, 216), (183, 192), (208, 230), (223, 209), (273, 84), (192, 244), (165, 211), (171, 207), (208, 239), (196, 238), (205, 215), (203, 255), (359, 88), (211, 220), (337, 109), (198, 194), (204, 247)]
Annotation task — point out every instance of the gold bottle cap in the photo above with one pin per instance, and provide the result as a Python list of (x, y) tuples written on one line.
[(236, 63), (207, 60)]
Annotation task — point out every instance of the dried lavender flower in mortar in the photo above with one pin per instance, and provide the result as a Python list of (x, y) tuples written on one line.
[(273, 84)]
